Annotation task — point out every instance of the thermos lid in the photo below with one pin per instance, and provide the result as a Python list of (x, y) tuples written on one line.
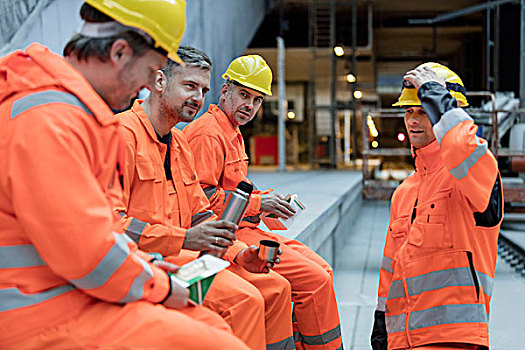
[(245, 187)]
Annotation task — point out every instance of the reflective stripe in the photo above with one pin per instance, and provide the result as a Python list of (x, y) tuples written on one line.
[(135, 229), (322, 339), (226, 194), (210, 191), (285, 344), (447, 314), (24, 255), (114, 258), (381, 303), (386, 264), (136, 291), (435, 280), (46, 97), (461, 170), (449, 120), (486, 281), (395, 323), (396, 290), (13, 298), (200, 217)]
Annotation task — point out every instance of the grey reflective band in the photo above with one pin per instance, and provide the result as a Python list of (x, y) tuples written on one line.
[(200, 217), (396, 290), (386, 264), (285, 344), (210, 191), (486, 282), (381, 304), (455, 277), (13, 298), (24, 255), (136, 292), (461, 170), (395, 323), (322, 339), (44, 98), (111, 262), (449, 120), (447, 314), (135, 229)]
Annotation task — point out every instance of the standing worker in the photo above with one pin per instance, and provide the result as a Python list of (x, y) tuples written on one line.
[(164, 208), (436, 278), (221, 161), (68, 279)]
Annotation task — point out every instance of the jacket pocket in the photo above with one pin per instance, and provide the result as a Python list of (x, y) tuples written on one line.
[(146, 191), (398, 230), (429, 235)]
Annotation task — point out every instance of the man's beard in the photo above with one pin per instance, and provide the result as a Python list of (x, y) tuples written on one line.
[(184, 116)]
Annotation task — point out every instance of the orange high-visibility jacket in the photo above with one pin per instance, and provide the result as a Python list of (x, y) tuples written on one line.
[(156, 212), (228, 163), (439, 258), (58, 161)]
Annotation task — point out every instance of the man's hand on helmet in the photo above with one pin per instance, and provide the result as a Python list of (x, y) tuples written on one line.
[(422, 75)]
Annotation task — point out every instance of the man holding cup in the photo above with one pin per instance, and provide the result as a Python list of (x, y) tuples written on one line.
[(221, 162)]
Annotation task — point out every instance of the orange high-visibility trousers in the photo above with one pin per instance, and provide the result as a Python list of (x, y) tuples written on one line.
[(256, 306), (316, 317), (137, 325), (276, 292), (447, 346)]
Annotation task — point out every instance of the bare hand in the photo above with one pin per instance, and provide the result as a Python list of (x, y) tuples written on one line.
[(276, 204), (178, 298), (166, 266), (249, 259), (422, 75), (212, 236)]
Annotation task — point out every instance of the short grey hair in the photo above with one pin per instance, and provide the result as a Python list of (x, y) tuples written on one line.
[(191, 57)]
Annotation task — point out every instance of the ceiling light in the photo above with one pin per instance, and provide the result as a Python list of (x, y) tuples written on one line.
[(350, 78), (339, 51)]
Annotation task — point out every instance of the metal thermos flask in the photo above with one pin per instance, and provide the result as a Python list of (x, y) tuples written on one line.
[(236, 203), (235, 207)]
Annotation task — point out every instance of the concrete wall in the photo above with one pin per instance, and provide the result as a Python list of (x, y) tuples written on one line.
[(221, 28)]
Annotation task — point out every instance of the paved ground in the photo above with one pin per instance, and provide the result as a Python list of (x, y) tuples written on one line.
[(356, 279)]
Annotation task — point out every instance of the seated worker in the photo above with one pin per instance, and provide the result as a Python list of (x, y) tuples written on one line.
[(221, 161), (436, 278), (165, 209), (69, 280)]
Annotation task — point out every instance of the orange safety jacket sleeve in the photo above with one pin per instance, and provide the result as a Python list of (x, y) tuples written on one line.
[(209, 155), (465, 155), (59, 201), (166, 240)]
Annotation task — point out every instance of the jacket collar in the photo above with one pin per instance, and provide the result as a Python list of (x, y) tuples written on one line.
[(225, 124), (72, 80), (150, 130), (143, 117), (428, 159)]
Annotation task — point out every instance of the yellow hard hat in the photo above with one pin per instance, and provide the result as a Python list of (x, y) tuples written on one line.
[(452, 80), (162, 20), (251, 71)]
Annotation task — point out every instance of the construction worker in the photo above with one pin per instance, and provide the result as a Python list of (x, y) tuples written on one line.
[(69, 280), (165, 210), (436, 277), (221, 161)]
